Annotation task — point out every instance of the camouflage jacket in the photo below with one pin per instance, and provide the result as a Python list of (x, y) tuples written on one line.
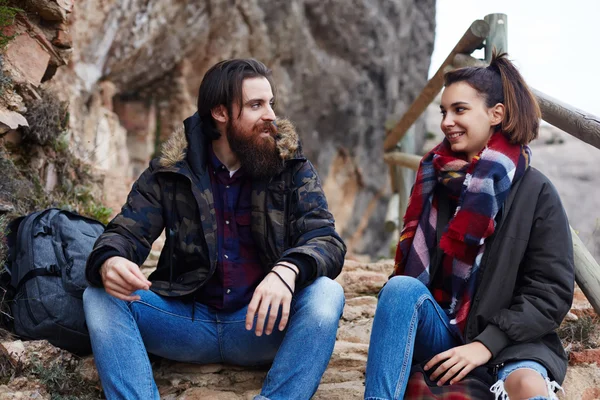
[(290, 218)]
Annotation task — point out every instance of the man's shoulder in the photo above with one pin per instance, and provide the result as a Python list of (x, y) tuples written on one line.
[(299, 171)]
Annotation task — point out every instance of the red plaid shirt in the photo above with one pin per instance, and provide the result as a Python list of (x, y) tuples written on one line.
[(238, 266)]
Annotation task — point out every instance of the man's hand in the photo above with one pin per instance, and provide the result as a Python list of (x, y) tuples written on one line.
[(121, 278), (272, 293), (461, 359)]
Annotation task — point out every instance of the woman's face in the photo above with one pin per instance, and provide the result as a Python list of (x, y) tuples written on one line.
[(466, 121)]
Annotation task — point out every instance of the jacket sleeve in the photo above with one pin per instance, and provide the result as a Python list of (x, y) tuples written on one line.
[(131, 233), (316, 248), (544, 291)]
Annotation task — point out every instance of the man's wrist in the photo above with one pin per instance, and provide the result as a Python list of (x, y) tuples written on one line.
[(289, 265), (288, 269)]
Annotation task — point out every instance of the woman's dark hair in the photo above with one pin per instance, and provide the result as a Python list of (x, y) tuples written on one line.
[(501, 82), (222, 85)]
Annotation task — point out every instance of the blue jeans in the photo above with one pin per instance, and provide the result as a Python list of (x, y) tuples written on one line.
[(122, 333), (410, 326), (508, 368)]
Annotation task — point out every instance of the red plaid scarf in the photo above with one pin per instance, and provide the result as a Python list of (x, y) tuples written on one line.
[(481, 187)]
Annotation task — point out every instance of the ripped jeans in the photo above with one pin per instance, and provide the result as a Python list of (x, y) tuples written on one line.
[(507, 369), (409, 326)]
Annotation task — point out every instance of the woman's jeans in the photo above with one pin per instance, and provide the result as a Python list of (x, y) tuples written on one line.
[(122, 333), (409, 325)]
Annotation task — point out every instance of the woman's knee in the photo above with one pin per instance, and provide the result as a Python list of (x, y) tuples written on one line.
[(524, 384), (403, 290)]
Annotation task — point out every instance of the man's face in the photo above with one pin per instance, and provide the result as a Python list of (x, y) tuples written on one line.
[(252, 134)]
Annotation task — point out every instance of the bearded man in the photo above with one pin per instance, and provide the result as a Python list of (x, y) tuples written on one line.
[(246, 273)]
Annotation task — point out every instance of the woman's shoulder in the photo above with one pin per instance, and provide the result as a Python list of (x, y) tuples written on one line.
[(535, 176), (536, 185), (535, 181)]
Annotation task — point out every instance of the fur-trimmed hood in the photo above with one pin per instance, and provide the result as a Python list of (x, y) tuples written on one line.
[(175, 149)]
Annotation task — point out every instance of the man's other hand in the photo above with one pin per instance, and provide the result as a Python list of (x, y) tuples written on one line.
[(271, 295), (121, 278)]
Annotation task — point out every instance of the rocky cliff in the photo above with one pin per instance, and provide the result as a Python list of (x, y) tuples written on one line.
[(130, 71)]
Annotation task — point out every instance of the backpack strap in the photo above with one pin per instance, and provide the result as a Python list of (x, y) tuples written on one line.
[(13, 228), (51, 270)]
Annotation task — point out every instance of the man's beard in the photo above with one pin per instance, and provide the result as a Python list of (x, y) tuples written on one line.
[(258, 155)]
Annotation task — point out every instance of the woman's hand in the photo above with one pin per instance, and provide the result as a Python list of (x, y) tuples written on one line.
[(460, 361)]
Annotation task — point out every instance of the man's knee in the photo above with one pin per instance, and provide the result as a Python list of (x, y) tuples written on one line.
[(101, 308), (325, 300), (93, 296)]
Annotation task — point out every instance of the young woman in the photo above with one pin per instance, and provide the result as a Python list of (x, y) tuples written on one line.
[(484, 266)]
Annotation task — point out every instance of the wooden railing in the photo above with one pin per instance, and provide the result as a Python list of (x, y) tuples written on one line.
[(490, 33)]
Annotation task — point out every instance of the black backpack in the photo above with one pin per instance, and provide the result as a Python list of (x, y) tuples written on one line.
[(46, 261)]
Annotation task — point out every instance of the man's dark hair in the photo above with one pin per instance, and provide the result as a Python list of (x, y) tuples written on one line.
[(222, 85)]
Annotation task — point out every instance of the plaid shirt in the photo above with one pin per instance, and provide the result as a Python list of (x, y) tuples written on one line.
[(238, 267)]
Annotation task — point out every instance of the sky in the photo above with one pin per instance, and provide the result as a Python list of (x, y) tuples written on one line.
[(554, 43)]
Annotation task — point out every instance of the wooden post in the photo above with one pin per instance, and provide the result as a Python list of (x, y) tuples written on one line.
[(392, 218), (578, 123), (406, 160), (466, 60), (498, 37), (587, 272), (406, 176), (471, 40)]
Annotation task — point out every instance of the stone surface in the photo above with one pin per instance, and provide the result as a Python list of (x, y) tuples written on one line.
[(50, 10), (51, 178), (10, 120), (581, 305), (26, 60), (589, 356), (343, 379), (363, 278), (138, 117), (582, 383), (63, 39)]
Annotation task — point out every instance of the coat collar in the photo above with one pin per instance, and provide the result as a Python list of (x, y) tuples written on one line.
[(188, 143)]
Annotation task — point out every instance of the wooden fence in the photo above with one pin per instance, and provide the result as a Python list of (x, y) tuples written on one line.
[(490, 33)]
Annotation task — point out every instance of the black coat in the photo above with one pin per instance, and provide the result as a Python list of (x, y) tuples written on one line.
[(526, 281)]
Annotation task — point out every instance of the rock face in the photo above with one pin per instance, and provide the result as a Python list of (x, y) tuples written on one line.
[(342, 69)]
